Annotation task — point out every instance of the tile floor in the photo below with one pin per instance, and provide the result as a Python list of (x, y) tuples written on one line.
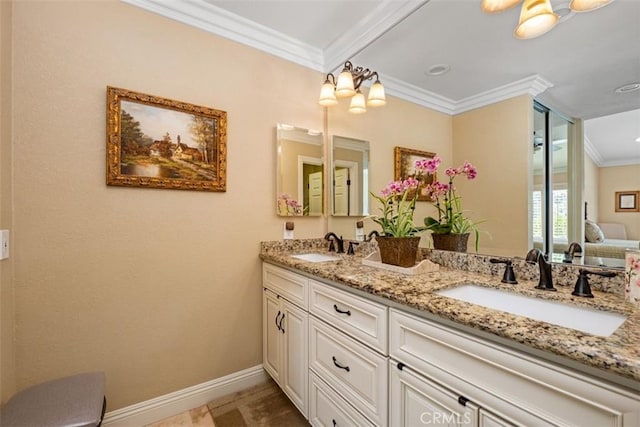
[(197, 417), (264, 405)]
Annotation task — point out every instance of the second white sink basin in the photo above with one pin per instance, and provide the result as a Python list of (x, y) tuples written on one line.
[(315, 257), (595, 322)]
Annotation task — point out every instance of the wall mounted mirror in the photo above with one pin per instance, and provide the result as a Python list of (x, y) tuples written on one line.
[(300, 171), (350, 180)]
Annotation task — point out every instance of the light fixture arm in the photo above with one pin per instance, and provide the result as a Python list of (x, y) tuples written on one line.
[(360, 74), (331, 79)]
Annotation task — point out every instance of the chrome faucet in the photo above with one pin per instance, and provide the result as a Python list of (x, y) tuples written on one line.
[(331, 237), (546, 281)]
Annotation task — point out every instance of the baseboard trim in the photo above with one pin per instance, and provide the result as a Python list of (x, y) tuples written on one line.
[(161, 407)]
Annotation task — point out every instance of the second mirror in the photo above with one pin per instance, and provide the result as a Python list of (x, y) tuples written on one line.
[(350, 176)]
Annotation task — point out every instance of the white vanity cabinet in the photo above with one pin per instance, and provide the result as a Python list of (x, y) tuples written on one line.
[(507, 387), (285, 332), (347, 358), (416, 401)]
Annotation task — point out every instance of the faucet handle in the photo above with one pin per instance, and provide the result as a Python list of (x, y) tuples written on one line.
[(509, 275), (582, 288), (351, 250)]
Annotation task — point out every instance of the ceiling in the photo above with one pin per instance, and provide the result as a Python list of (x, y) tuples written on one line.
[(574, 69)]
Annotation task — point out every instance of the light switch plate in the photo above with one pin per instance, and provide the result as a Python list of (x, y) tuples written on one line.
[(4, 244)]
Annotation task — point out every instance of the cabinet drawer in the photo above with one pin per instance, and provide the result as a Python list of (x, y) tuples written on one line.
[(514, 386), (417, 401), (356, 372), (365, 320), (328, 409), (287, 284)]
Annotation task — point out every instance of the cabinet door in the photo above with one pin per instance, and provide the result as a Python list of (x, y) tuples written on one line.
[(271, 335), (487, 419), (295, 373), (416, 401), (328, 409)]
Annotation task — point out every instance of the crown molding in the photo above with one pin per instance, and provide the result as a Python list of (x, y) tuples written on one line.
[(533, 85), (218, 21), (591, 151), (384, 17), (417, 95)]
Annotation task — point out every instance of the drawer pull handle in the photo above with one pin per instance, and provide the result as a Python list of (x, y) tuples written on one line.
[(335, 362), (334, 422), (280, 325), (347, 312), (277, 315)]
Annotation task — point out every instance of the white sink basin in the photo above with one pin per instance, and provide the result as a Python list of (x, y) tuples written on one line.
[(595, 322), (317, 257)]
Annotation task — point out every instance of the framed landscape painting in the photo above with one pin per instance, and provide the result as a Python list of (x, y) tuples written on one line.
[(405, 160), (160, 143)]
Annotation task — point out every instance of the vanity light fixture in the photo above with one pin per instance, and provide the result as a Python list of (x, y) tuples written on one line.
[(348, 85), (587, 5), (537, 16)]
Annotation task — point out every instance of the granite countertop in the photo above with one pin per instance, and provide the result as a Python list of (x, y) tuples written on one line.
[(616, 357)]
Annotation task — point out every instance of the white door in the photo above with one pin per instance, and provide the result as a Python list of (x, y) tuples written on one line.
[(340, 191), (416, 401), (295, 354), (271, 335), (315, 193)]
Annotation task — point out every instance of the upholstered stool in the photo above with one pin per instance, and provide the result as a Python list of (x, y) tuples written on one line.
[(76, 401)]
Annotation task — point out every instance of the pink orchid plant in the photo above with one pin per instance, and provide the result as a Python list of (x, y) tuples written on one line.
[(289, 206), (451, 217), (398, 200)]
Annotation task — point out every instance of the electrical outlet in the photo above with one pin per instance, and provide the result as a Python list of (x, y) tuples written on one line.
[(288, 230), (4, 244)]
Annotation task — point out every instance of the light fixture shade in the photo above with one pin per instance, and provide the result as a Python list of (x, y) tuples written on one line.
[(587, 5), (494, 6), (344, 87), (327, 94), (536, 18), (376, 95), (358, 104)]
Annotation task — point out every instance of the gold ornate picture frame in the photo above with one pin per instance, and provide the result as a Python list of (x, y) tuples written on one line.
[(404, 167), (156, 142)]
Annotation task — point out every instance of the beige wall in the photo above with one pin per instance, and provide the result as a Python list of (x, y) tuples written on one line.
[(7, 356), (619, 178), (496, 139), (161, 288), (591, 187), (158, 288), (399, 123)]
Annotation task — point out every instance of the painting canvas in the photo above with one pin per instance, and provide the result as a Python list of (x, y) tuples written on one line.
[(405, 159), (160, 143)]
